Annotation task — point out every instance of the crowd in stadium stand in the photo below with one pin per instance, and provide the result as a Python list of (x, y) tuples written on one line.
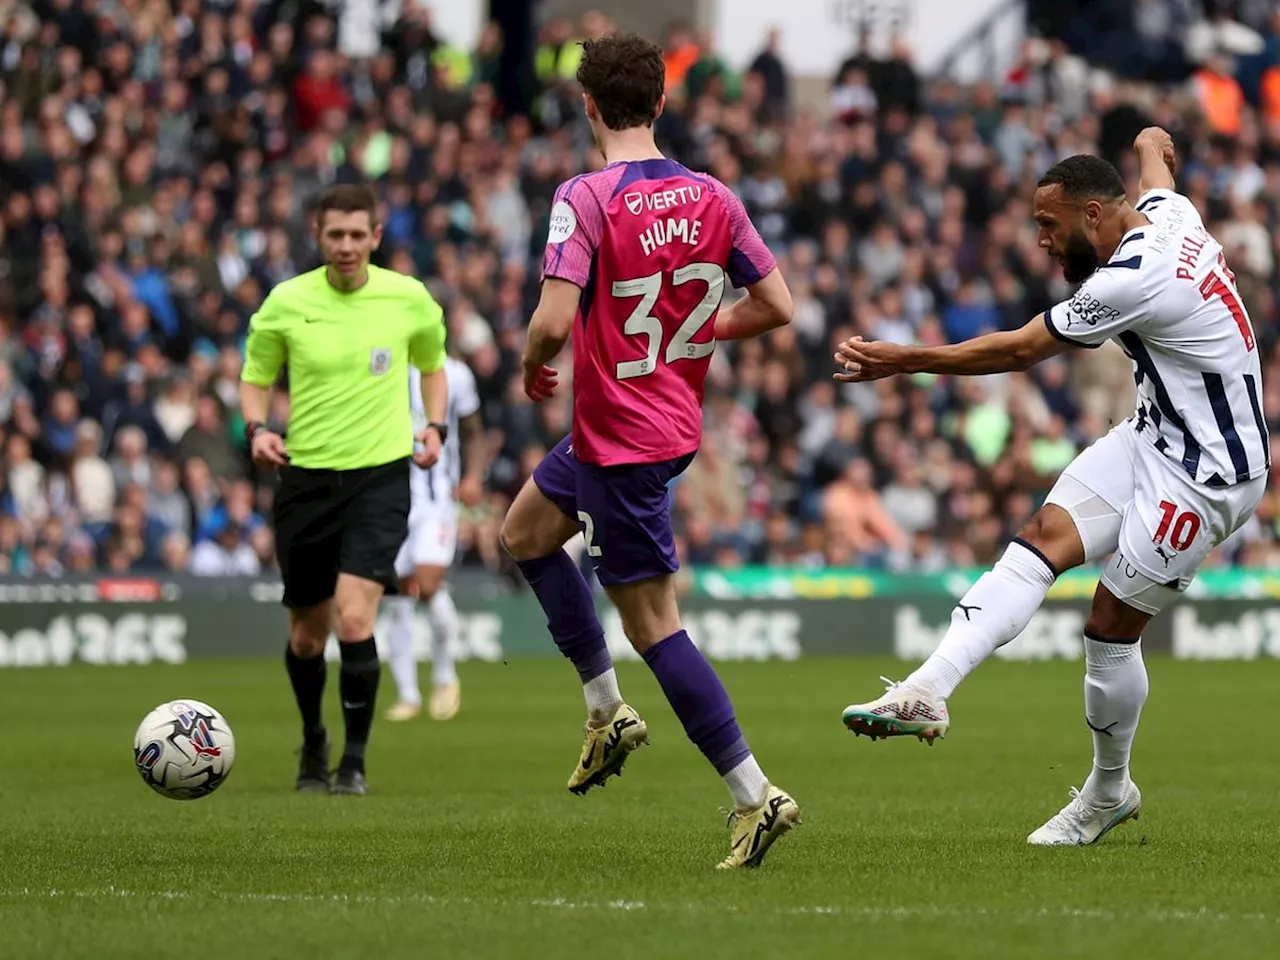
[(157, 163)]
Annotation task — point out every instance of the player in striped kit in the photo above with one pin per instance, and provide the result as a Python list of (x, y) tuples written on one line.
[(427, 553), (1157, 493)]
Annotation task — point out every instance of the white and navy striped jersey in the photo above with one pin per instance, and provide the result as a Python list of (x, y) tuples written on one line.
[(1170, 301), (437, 483)]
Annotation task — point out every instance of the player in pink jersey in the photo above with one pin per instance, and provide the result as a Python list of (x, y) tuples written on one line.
[(635, 267)]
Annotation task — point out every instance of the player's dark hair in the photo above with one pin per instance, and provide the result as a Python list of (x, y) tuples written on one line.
[(348, 198), (625, 75), (1085, 177)]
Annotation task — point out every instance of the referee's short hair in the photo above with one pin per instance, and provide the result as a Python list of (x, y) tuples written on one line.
[(348, 198)]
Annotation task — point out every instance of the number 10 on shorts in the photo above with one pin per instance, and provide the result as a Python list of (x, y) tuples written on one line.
[(1180, 527)]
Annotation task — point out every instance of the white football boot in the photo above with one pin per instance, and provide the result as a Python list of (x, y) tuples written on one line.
[(1080, 822), (902, 712)]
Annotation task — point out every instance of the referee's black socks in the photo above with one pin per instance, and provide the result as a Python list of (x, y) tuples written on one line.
[(361, 672), (307, 677)]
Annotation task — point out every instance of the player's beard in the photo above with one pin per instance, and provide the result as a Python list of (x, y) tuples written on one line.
[(1079, 260)]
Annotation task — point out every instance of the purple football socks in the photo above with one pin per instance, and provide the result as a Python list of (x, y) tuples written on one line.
[(571, 612), (699, 700)]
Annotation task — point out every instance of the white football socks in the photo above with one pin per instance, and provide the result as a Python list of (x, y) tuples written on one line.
[(603, 697), (1115, 688), (995, 610), (404, 664), (747, 784), (442, 615)]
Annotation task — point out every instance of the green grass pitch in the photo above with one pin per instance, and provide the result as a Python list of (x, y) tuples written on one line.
[(470, 845)]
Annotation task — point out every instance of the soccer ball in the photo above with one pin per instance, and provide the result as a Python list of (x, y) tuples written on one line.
[(184, 749)]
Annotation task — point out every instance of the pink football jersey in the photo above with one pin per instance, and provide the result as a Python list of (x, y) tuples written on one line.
[(650, 243)]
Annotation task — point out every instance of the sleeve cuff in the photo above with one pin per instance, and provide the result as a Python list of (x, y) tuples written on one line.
[(579, 282), (1058, 334)]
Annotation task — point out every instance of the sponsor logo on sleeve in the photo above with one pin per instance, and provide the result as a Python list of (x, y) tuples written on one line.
[(563, 223), (1087, 309)]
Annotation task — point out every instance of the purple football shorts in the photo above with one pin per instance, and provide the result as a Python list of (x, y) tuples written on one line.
[(625, 511)]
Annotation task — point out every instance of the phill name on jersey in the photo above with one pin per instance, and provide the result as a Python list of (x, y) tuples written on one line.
[(662, 232)]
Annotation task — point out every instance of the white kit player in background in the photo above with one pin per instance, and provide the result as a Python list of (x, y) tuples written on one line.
[(1156, 494), (427, 554)]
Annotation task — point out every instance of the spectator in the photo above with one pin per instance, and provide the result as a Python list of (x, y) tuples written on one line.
[(857, 523), (175, 408), (25, 481), (225, 554), (130, 464), (175, 552), (93, 481), (773, 72), (908, 502), (168, 504), (60, 427), (207, 439), (1219, 95), (318, 91)]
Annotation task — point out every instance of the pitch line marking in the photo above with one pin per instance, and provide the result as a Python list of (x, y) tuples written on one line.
[(920, 912)]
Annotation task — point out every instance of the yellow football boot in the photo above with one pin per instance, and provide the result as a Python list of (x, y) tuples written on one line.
[(606, 749), (446, 698), (754, 831), (402, 711)]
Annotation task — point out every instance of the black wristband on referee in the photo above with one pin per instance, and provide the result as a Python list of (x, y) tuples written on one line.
[(252, 428)]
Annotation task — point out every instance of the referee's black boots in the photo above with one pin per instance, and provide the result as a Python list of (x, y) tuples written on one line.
[(350, 781), (313, 767)]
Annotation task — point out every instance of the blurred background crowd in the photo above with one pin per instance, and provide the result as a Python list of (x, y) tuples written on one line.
[(158, 160)]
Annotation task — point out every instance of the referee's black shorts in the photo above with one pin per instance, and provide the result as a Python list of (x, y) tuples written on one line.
[(339, 521)]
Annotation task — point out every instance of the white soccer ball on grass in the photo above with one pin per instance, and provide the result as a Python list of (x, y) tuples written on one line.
[(184, 749)]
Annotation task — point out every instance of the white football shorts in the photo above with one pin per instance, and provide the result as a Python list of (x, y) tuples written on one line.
[(433, 537), (1128, 499)]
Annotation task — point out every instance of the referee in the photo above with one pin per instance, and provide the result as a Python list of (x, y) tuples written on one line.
[(348, 332)]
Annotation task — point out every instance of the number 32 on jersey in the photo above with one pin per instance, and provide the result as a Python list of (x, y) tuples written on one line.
[(641, 322)]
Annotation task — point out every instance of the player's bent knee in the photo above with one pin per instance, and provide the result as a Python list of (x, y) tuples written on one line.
[(534, 526), (428, 581), (355, 616), (355, 623), (309, 630), (513, 540), (648, 610), (1052, 533), (306, 645), (524, 538), (1111, 620)]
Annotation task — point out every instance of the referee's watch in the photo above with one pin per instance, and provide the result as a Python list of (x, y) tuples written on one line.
[(440, 428)]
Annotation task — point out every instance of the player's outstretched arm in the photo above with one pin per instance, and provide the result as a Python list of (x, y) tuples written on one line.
[(766, 307), (1157, 160), (549, 330), (861, 360)]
